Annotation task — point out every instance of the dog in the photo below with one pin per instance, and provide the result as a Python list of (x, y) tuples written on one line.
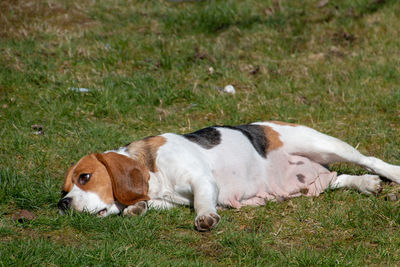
[(218, 166)]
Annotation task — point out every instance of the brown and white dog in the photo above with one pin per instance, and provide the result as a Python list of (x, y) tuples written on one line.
[(219, 166)]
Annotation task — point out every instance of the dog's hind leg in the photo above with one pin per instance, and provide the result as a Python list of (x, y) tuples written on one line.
[(325, 149)]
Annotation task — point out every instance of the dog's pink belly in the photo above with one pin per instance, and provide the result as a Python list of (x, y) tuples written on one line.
[(282, 176)]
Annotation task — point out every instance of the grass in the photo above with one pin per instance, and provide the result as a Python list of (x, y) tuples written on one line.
[(146, 63)]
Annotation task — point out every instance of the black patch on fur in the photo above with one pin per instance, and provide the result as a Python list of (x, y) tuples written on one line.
[(300, 177), (207, 137), (256, 136), (210, 137)]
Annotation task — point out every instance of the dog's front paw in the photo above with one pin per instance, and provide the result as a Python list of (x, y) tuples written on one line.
[(205, 223), (139, 208), (370, 184)]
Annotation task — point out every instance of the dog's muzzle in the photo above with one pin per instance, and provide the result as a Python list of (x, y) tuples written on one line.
[(64, 203)]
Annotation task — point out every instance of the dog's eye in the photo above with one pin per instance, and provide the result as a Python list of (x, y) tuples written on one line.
[(84, 178)]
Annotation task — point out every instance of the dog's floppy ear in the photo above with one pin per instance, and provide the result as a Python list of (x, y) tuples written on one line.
[(130, 181)]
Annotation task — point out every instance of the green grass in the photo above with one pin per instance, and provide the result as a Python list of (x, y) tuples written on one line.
[(335, 68)]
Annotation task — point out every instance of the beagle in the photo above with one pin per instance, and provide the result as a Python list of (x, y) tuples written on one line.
[(218, 166)]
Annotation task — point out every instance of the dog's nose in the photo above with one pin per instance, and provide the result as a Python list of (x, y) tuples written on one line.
[(64, 203)]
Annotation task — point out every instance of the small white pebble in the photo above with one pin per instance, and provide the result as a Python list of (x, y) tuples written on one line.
[(81, 90), (230, 89)]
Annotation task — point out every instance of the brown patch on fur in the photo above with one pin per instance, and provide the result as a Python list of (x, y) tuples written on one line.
[(145, 151), (68, 180), (273, 138), (99, 183), (284, 123)]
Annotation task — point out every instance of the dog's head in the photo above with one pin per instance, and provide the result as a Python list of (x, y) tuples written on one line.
[(104, 184)]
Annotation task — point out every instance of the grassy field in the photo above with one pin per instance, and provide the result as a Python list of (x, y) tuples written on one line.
[(333, 66)]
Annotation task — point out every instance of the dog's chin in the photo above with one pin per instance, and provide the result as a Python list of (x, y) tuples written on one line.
[(114, 208)]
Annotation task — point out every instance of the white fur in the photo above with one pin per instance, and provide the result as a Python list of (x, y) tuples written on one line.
[(367, 184), (121, 151)]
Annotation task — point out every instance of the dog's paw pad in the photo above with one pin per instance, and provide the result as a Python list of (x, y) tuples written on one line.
[(206, 222)]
